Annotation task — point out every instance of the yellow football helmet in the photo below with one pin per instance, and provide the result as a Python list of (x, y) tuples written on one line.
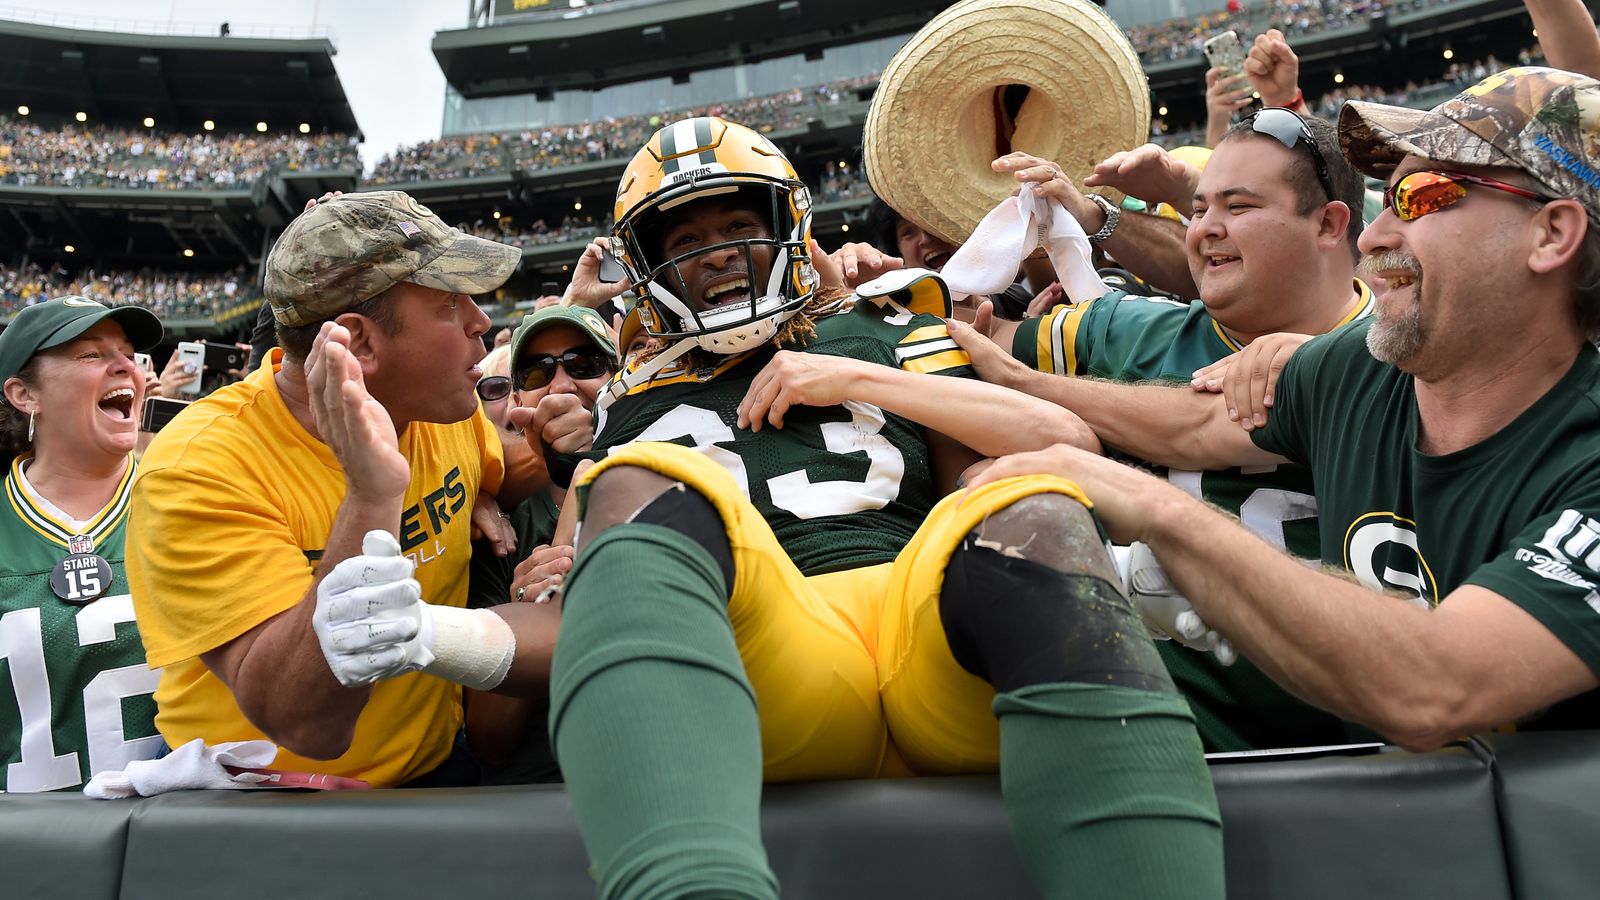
[(703, 157)]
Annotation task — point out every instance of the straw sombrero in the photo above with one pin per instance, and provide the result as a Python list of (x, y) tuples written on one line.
[(937, 119)]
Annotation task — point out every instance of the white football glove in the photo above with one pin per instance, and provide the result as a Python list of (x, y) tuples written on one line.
[(370, 618), (1167, 614)]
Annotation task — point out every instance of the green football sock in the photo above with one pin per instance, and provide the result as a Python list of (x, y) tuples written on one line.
[(1108, 793), (654, 722)]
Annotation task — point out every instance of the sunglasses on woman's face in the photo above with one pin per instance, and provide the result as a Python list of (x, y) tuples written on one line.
[(1424, 193), (538, 370), (493, 387)]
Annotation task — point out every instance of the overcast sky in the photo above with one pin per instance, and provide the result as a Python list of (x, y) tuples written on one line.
[(384, 61)]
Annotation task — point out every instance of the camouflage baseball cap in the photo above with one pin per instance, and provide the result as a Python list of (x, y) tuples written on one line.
[(581, 319), (354, 247), (1545, 122)]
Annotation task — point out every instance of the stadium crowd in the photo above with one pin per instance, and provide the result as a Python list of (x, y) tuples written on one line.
[(170, 295), (95, 156)]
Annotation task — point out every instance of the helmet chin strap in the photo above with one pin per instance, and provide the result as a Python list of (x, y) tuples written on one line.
[(619, 387)]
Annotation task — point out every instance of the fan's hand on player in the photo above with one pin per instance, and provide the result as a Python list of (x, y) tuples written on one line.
[(852, 265), (545, 568), (992, 363), (559, 420), (1127, 501), (1273, 69), (1167, 614), (490, 523), (351, 422), (1249, 378), (797, 379), (586, 288), (370, 620), (1149, 173)]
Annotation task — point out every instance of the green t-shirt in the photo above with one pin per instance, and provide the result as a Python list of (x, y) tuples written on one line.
[(841, 486), (1515, 514), (1126, 337), (79, 698)]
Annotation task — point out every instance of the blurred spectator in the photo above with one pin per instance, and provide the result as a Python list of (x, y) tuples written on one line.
[(83, 156)]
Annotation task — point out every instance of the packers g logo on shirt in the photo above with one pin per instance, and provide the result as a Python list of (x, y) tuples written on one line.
[(1381, 551)]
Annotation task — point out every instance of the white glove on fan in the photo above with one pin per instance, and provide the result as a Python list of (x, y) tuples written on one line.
[(370, 618), (1167, 614)]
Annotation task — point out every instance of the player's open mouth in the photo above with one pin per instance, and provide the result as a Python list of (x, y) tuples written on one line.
[(730, 290)]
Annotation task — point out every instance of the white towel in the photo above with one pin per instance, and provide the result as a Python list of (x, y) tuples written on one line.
[(988, 262), (194, 766)]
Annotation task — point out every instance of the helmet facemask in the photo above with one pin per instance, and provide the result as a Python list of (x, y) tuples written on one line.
[(783, 205)]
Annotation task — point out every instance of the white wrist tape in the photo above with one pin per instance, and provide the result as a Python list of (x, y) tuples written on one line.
[(472, 647)]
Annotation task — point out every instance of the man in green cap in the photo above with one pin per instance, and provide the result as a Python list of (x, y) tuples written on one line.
[(1454, 437), (561, 358), (303, 539)]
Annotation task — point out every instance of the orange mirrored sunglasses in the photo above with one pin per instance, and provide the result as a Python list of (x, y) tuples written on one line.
[(1422, 193)]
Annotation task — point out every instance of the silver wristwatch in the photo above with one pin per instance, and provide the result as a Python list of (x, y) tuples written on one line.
[(1113, 216)]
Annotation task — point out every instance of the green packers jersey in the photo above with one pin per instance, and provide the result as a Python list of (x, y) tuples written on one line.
[(80, 692), (1125, 337), (1518, 513), (841, 486)]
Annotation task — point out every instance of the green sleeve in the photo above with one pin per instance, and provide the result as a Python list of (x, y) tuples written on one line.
[(489, 579)]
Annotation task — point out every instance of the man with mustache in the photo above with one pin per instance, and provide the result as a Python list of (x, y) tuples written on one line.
[(767, 585), (1471, 490)]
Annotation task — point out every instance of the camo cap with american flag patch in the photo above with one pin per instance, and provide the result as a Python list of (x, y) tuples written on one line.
[(352, 248)]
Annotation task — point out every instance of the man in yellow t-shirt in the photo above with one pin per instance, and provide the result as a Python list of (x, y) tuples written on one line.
[(302, 537)]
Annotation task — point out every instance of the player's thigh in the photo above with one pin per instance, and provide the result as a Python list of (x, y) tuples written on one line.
[(939, 714), (815, 679)]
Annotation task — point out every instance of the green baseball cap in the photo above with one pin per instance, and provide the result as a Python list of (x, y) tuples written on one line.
[(1545, 122), (55, 322), (351, 248), (581, 319)]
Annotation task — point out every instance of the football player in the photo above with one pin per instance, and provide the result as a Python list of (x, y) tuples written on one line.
[(765, 533)]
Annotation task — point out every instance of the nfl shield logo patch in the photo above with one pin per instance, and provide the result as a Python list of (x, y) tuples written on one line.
[(80, 544)]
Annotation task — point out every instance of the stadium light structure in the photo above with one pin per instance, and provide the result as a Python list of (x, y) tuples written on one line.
[(81, 116), (497, 214), (1449, 54), (209, 125), (845, 227), (577, 204), (188, 252), (1161, 110), (22, 110), (261, 127), (70, 249), (149, 122), (305, 127), (1338, 78)]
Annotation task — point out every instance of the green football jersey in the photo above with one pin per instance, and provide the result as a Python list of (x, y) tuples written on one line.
[(1125, 337), (1517, 514), (80, 699), (841, 486)]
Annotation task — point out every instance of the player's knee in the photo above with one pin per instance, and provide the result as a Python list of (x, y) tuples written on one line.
[(1029, 598), (631, 494), (1051, 529)]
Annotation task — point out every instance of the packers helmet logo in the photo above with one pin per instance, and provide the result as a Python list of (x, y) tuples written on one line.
[(81, 301), (1382, 552)]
